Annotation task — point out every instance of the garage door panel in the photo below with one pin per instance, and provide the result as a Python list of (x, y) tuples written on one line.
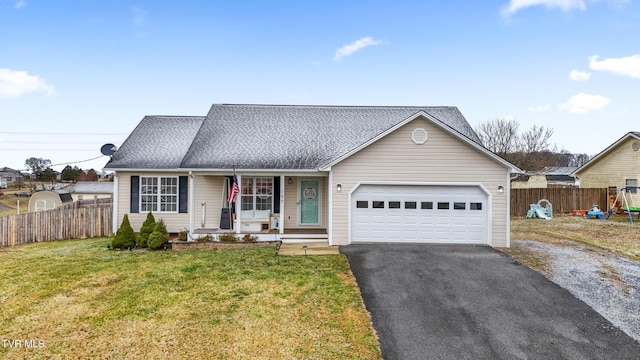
[(419, 213)]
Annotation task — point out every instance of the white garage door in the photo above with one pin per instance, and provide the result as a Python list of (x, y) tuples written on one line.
[(419, 213)]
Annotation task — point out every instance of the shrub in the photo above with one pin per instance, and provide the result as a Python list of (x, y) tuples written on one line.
[(183, 234), (124, 237), (228, 237), (249, 238), (147, 228), (206, 238), (159, 236)]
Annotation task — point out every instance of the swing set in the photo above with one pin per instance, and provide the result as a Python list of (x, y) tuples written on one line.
[(625, 203)]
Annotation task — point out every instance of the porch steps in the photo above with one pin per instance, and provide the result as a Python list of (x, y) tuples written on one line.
[(307, 248)]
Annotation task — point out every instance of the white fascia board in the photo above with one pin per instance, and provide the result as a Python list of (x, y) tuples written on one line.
[(604, 152), (291, 172), (438, 123), (264, 172), (146, 170)]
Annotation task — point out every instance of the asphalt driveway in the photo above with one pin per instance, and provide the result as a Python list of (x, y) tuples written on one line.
[(473, 302)]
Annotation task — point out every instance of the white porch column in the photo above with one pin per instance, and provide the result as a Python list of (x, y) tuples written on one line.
[(238, 205), (281, 219), (330, 208), (192, 206)]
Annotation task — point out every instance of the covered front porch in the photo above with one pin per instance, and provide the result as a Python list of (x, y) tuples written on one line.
[(290, 207)]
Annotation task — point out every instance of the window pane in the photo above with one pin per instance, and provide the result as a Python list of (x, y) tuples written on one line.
[(459, 206), (247, 202), (247, 186), (362, 204), (378, 204), (410, 204), (475, 206), (443, 206), (426, 205), (632, 182), (263, 202), (394, 204)]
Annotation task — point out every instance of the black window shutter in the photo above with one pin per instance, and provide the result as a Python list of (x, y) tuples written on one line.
[(183, 194), (276, 194), (135, 195)]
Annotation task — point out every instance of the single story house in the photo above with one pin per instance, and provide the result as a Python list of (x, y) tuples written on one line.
[(615, 167), (344, 174), (48, 200), (9, 175), (85, 190), (549, 177)]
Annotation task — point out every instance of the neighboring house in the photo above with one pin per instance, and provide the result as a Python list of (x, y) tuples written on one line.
[(85, 190), (48, 199), (9, 175), (345, 174), (549, 177), (615, 167)]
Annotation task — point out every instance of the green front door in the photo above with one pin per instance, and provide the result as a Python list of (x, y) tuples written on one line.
[(309, 202)]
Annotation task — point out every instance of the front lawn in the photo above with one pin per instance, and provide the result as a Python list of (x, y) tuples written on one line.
[(76, 299)]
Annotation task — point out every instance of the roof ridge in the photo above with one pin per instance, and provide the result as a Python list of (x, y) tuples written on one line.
[(343, 106)]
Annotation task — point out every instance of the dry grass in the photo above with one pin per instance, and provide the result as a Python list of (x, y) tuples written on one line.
[(10, 202), (84, 301), (615, 235)]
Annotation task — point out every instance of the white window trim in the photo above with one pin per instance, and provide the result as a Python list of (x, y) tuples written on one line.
[(251, 214), (157, 204)]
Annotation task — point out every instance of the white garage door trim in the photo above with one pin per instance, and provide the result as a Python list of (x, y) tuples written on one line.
[(480, 186)]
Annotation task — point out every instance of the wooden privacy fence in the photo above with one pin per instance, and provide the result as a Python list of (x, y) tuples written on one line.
[(78, 220), (563, 199)]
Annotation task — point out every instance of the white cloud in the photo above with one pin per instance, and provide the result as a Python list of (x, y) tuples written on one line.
[(564, 5), (583, 103), (628, 66), (579, 75), (20, 4), (17, 83), (357, 45), (540, 108)]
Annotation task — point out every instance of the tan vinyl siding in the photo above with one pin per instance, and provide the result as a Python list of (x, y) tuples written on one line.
[(612, 169), (443, 158), (210, 190), (174, 221)]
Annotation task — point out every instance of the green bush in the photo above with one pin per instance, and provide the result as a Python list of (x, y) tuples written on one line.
[(147, 228), (228, 237), (159, 236), (124, 237), (183, 235)]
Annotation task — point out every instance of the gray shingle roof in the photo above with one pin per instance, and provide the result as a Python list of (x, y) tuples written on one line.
[(268, 136), (158, 142), (93, 187)]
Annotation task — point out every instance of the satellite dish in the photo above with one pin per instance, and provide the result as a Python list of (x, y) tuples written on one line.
[(108, 149)]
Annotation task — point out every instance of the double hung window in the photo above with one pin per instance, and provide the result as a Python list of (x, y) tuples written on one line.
[(256, 196), (159, 194)]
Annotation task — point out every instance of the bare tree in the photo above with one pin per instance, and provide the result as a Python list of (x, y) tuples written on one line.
[(499, 135), (535, 140)]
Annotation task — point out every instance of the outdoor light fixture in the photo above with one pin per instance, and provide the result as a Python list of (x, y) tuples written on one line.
[(289, 181), (500, 189), (339, 187)]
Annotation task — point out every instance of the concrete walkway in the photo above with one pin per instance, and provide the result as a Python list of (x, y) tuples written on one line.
[(308, 248)]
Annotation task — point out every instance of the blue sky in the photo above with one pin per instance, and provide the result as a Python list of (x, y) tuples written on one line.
[(78, 74)]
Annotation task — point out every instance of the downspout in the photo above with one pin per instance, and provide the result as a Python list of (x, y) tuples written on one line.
[(114, 202)]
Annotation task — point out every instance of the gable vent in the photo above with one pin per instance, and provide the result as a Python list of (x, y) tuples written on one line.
[(419, 136), (635, 145)]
